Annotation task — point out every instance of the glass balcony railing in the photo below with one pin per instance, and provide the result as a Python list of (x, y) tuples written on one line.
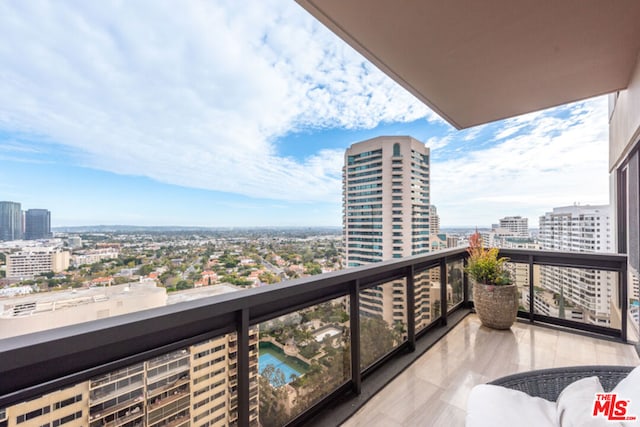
[(282, 354)]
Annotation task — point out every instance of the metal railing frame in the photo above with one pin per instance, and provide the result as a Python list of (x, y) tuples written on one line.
[(35, 364)]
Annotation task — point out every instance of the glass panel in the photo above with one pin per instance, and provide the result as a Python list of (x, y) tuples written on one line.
[(427, 286), (633, 282), (383, 320), (578, 294), (190, 386), (304, 356), (455, 291), (519, 274)]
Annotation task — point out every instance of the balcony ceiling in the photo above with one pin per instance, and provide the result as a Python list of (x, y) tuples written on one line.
[(474, 62)]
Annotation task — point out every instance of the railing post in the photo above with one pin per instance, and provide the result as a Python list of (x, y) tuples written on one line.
[(411, 308), (532, 295), (354, 321), (443, 291), (622, 280), (243, 368), (465, 283)]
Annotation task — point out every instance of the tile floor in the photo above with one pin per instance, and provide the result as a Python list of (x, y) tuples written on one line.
[(433, 391)]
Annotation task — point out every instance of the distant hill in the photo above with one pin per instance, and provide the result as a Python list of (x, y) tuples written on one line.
[(177, 228)]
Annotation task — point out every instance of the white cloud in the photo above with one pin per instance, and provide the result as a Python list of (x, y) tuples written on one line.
[(552, 162), (436, 143), (190, 93)]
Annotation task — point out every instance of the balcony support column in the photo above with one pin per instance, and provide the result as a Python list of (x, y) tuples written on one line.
[(624, 289), (465, 284), (243, 367), (354, 322), (411, 308), (443, 291), (532, 295)]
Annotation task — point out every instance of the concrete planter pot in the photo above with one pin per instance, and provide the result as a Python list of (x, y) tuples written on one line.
[(496, 306)]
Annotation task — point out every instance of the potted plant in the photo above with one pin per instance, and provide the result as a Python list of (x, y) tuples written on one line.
[(495, 297)]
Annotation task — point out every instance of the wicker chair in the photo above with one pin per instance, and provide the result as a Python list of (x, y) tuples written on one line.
[(548, 383)]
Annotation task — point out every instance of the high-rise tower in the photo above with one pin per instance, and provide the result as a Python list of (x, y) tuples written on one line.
[(37, 224), (515, 224), (386, 213), (10, 221), (385, 199), (587, 291)]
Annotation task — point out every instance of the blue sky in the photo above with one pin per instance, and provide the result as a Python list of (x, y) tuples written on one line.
[(226, 113)]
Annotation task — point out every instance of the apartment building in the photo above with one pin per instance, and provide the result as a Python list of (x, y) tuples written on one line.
[(41, 311), (579, 229), (517, 225), (192, 386), (66, 408), (33, 261), (434, 220), (93, 256), (386, 212)]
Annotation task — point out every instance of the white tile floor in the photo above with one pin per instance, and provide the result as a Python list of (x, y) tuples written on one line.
[(434, 390)]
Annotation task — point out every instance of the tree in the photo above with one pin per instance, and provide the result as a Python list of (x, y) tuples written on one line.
[(183, 284), (97, 267), (272, 410), (312, 268), (454, 278), (120, 280), (376, 339), (145, 270), (268, 277)]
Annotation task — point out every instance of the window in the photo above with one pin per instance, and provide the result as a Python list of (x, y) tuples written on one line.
[(67, 419), (396, 149), (33, 414), (67, 402)]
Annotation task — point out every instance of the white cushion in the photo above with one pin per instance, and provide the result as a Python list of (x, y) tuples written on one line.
[(575, 404), (496, 406), (629, 389)]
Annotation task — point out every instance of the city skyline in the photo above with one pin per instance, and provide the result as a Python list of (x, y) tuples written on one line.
[(128, 124)]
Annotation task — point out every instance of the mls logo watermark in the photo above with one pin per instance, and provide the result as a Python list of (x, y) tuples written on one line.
[(608, 405)]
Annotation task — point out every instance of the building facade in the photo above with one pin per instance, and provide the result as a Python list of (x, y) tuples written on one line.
[(434, 220), (385, 199), (34, 261), (517, 225), (386, 205), (192, 386), (579, 229), (37, 224), (10, 221)]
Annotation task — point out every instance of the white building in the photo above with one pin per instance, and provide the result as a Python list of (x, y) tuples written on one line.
[(42, 311), (386, 212), (579, 229), (94, 256), (34, 261), (510, 227), (517, 225), (386, 199)]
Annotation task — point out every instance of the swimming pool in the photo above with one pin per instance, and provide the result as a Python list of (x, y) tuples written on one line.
[(271, 355)]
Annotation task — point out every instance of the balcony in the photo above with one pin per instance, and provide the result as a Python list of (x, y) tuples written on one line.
[(434, 389), (433, 328)]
